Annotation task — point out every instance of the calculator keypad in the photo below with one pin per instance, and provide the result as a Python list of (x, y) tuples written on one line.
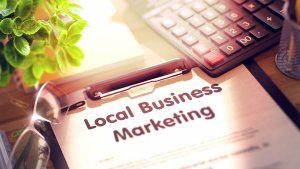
[(217, 34), (230, 48), (259, 33), (189, 40), (251, 6), (213, 58), (196, 21), (246, 24), (269, 19), (219, 38), (200, 49)]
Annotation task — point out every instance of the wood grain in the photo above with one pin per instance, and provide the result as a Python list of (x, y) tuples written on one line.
[(288, 86)]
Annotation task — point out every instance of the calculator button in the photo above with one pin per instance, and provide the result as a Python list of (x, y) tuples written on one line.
[(196, 21), (209, 14), (211, 2), (276, 7), (246, 24), (265, 2), (221, 7), (176, 6), (245, 40), (251, 6), (168, 23), (189, 40), (233, 31), (185, 13), (221, 22), (239, 2), (269, 19), (200, 49), (198, 6), (178, 31), (234, 16), (230, 48), (258, 33), (213, 58), (219, 38), (187, 1), (208, 30)]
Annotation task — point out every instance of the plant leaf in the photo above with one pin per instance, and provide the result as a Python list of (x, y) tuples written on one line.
[(59, 2), (10, 7), (28, 77), (68, 24), (0, 69), (30, 26), (41, 34), (73, 39), (18, 21), (76, 27), (4, 64), (11, 69), (49, 65), (4, 79), (37, 70), (2, 36), (11, 55), (61, 60), (62, 37), (64, 5), (60, 25), (28, 61), (74, 11), (17, 32), (22, 45), (46, 25), (75, 6), (74, 15), (34, 7), (53, 40), (24, 8), (39, 47), (6, 25), (3, 4), (72, 61), (17, 26), (75, 52)]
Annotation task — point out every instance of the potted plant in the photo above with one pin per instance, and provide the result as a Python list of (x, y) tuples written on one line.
[(35, 46)]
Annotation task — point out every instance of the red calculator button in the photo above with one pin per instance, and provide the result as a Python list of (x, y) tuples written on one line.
[(213, 58), (200, 49)]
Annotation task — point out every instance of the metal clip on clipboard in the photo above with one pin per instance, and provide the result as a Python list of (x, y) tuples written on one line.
[(125, 82)]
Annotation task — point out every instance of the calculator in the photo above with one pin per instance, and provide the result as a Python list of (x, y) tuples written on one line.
[(217, 35)]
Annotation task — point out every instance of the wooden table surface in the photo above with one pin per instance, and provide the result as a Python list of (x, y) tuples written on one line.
[(288, 86)]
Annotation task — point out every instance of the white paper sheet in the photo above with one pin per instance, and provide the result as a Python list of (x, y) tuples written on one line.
[(235, 124)]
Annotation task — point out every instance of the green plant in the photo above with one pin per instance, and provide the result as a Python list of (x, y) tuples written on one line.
[(38, 46)]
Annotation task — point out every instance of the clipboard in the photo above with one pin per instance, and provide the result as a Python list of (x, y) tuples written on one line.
[(173, 69)]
